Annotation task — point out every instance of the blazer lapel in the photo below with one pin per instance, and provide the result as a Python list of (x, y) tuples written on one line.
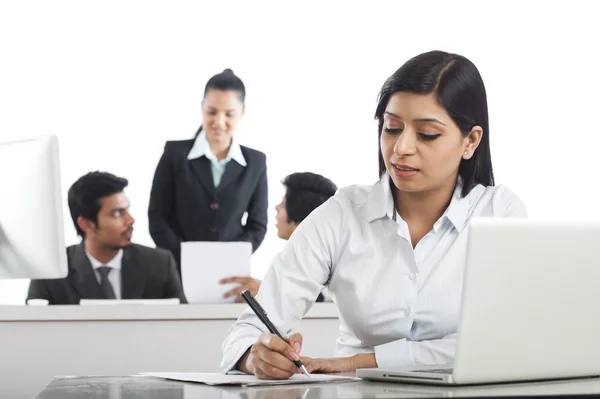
[(132, 276), (201, 168), (233, 171), (84, 279)]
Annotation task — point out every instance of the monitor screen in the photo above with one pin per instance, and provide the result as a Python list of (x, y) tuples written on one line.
[(32, 242)]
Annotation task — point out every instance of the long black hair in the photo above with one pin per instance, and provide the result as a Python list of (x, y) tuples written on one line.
[(459, 89), (225, 80)]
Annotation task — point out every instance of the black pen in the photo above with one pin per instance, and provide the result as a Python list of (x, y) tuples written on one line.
[(262, 315)]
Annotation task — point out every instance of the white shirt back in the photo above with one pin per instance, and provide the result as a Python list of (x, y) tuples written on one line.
[(398, 302)]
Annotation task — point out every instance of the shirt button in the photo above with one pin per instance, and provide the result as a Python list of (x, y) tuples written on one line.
[(412, 276), (214, 206), (212, 229)]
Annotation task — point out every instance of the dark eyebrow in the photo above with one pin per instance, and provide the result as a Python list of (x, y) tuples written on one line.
[(422, 120), (214, 109), (425, 120), (394, 115)]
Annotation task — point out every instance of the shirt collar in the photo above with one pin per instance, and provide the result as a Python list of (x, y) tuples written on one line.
[(458, 210), (202, 148), (380, 203), (115, 262)]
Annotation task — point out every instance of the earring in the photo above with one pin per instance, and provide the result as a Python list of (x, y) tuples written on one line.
[(466, 152)]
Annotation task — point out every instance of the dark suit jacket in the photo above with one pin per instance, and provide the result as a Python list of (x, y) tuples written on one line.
[(146, 273), (185, 206)]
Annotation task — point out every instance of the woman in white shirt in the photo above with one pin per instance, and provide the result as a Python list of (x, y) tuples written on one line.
[(391, 254)]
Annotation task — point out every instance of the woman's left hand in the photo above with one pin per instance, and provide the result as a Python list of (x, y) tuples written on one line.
[(339, 364)]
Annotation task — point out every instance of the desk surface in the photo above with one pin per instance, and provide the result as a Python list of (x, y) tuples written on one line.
[(322, 310), (150, 388)]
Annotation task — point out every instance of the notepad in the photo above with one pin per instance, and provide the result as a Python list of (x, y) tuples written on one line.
[(249, 380), (203, 264)]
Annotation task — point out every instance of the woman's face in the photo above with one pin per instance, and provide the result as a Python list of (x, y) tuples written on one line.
[(421, 145), (222, 110)]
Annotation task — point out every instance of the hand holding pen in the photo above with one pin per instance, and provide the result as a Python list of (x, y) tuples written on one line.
[(272, 356)]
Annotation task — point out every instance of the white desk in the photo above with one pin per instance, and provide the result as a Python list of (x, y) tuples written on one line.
[(37, 343), (148, 387)]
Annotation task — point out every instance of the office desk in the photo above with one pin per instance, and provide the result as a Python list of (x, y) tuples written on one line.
[(151, 388), (38, 343)]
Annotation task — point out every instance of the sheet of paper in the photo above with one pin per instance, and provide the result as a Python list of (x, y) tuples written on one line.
[(249, 380), (165, 301), (203, 264)]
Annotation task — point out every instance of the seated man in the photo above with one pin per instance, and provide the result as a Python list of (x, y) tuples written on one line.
[(304, 193), (106, 265)]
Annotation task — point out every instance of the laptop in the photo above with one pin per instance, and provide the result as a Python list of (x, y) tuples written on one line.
[(530, 306)]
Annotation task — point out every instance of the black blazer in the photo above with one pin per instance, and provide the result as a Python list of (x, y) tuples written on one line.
[(146, 273), (185, 206)]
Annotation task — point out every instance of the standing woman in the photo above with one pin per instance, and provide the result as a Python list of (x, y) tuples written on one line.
[(202, 187)]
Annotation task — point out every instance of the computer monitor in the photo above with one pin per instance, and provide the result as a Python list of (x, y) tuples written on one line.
[(32, 241)]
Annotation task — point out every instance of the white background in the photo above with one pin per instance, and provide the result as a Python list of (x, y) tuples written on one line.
[(115, 79)]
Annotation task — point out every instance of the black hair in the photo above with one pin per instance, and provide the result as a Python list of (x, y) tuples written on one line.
[(225, 80), (305, 192), (459, 89), (85, 195)]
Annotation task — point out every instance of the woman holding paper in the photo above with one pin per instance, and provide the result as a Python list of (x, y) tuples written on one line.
[(203, 187), (391, 254)]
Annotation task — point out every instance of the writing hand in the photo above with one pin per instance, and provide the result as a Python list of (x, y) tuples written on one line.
[(271, 357)]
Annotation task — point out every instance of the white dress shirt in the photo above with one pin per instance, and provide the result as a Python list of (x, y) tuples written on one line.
[(395, 301), (114, 277), (201, 147)]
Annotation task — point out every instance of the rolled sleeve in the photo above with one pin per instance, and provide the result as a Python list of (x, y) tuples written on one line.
[(405, 354), (235, 346), (394, 354), (291, 285)]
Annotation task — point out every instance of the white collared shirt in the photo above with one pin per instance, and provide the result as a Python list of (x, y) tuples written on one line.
[(114, 277), (201, 147), (395, 301)]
